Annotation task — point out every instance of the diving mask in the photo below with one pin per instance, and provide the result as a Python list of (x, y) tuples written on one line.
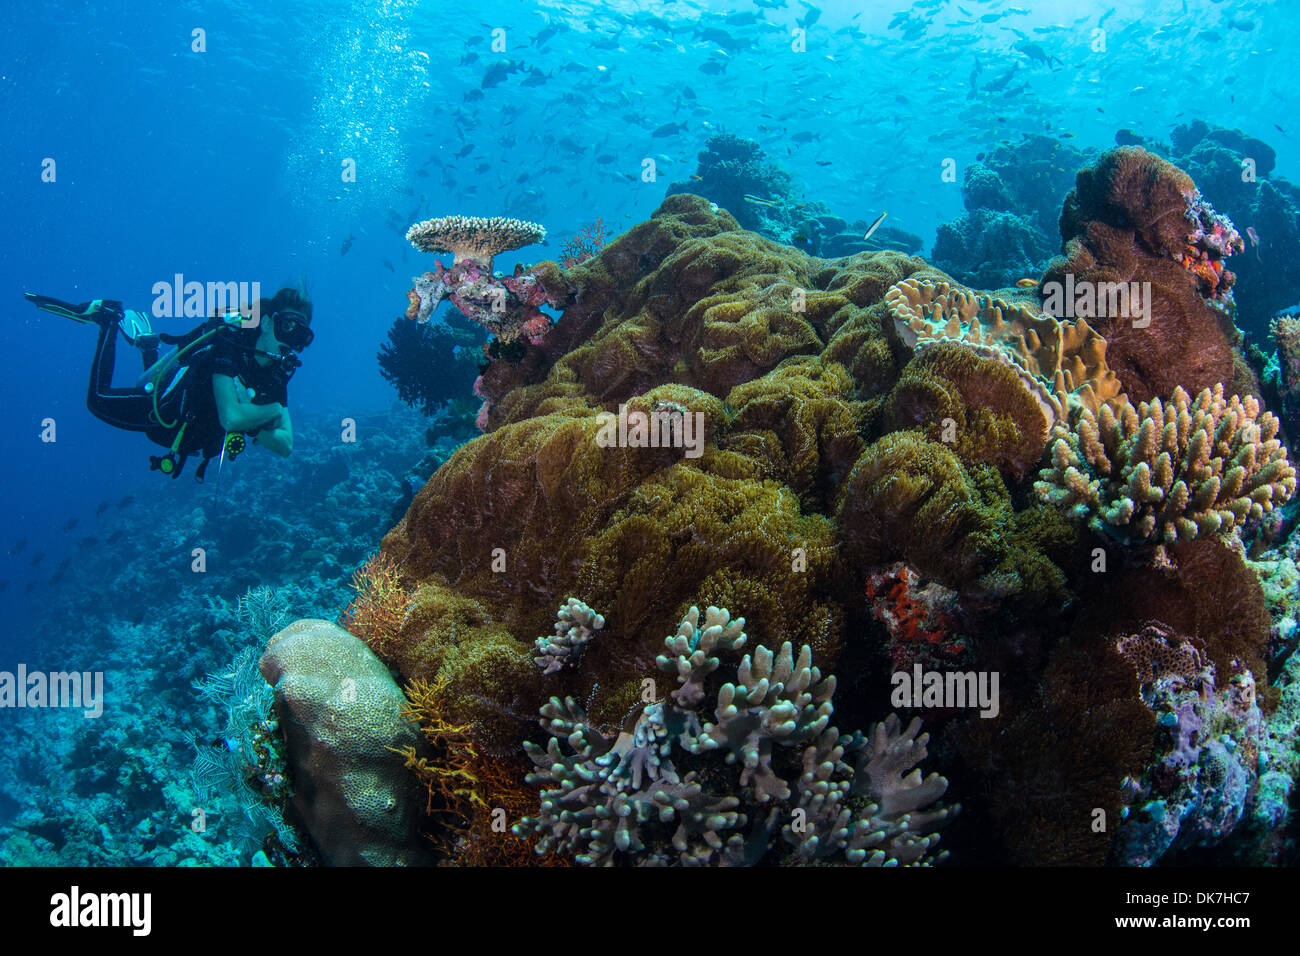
[(291, 329)]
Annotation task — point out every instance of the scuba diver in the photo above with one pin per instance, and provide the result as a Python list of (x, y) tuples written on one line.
[(222, 381)]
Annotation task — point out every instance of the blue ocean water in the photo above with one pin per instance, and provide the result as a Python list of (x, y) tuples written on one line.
[(216, 141)]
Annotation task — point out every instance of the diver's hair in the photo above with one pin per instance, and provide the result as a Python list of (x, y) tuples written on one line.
[(288, 298)]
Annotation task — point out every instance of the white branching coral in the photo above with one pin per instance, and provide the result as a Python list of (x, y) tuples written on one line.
[(575, 625), (766, 775), (1167, 472)]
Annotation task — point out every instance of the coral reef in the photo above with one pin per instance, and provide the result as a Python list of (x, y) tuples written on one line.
[(341, 714), (835, 460), (1193, 792), (736, 174), (785, 362), (625, 799), (1008, 231), (1165, 472)]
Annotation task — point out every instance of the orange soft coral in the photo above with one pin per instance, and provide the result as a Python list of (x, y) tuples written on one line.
[(376, 614)]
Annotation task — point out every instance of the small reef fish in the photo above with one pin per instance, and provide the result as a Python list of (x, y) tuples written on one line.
[(1026, 283), (1254, 241), (875, 225), (760, 201)]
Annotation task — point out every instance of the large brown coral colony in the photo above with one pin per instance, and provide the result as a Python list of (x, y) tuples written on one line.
[(1135, 218), (844, 425)]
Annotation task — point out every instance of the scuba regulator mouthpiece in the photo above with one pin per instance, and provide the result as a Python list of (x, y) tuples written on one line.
[(287, 361)]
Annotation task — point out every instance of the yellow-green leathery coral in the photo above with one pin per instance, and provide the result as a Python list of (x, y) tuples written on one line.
[(1167, 472)]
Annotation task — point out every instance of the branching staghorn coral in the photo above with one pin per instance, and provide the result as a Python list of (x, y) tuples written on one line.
[(575, 625), (783, 768), (1167, 472)]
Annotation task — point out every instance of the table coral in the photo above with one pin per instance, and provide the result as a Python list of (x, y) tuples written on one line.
[(1165, 472), (624, 799), (476, 238)]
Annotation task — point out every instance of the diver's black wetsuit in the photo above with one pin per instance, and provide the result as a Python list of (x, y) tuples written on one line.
[(129, 408), (231, 352)]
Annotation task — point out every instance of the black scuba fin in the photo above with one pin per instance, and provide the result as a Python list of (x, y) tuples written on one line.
[(85, 312)]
